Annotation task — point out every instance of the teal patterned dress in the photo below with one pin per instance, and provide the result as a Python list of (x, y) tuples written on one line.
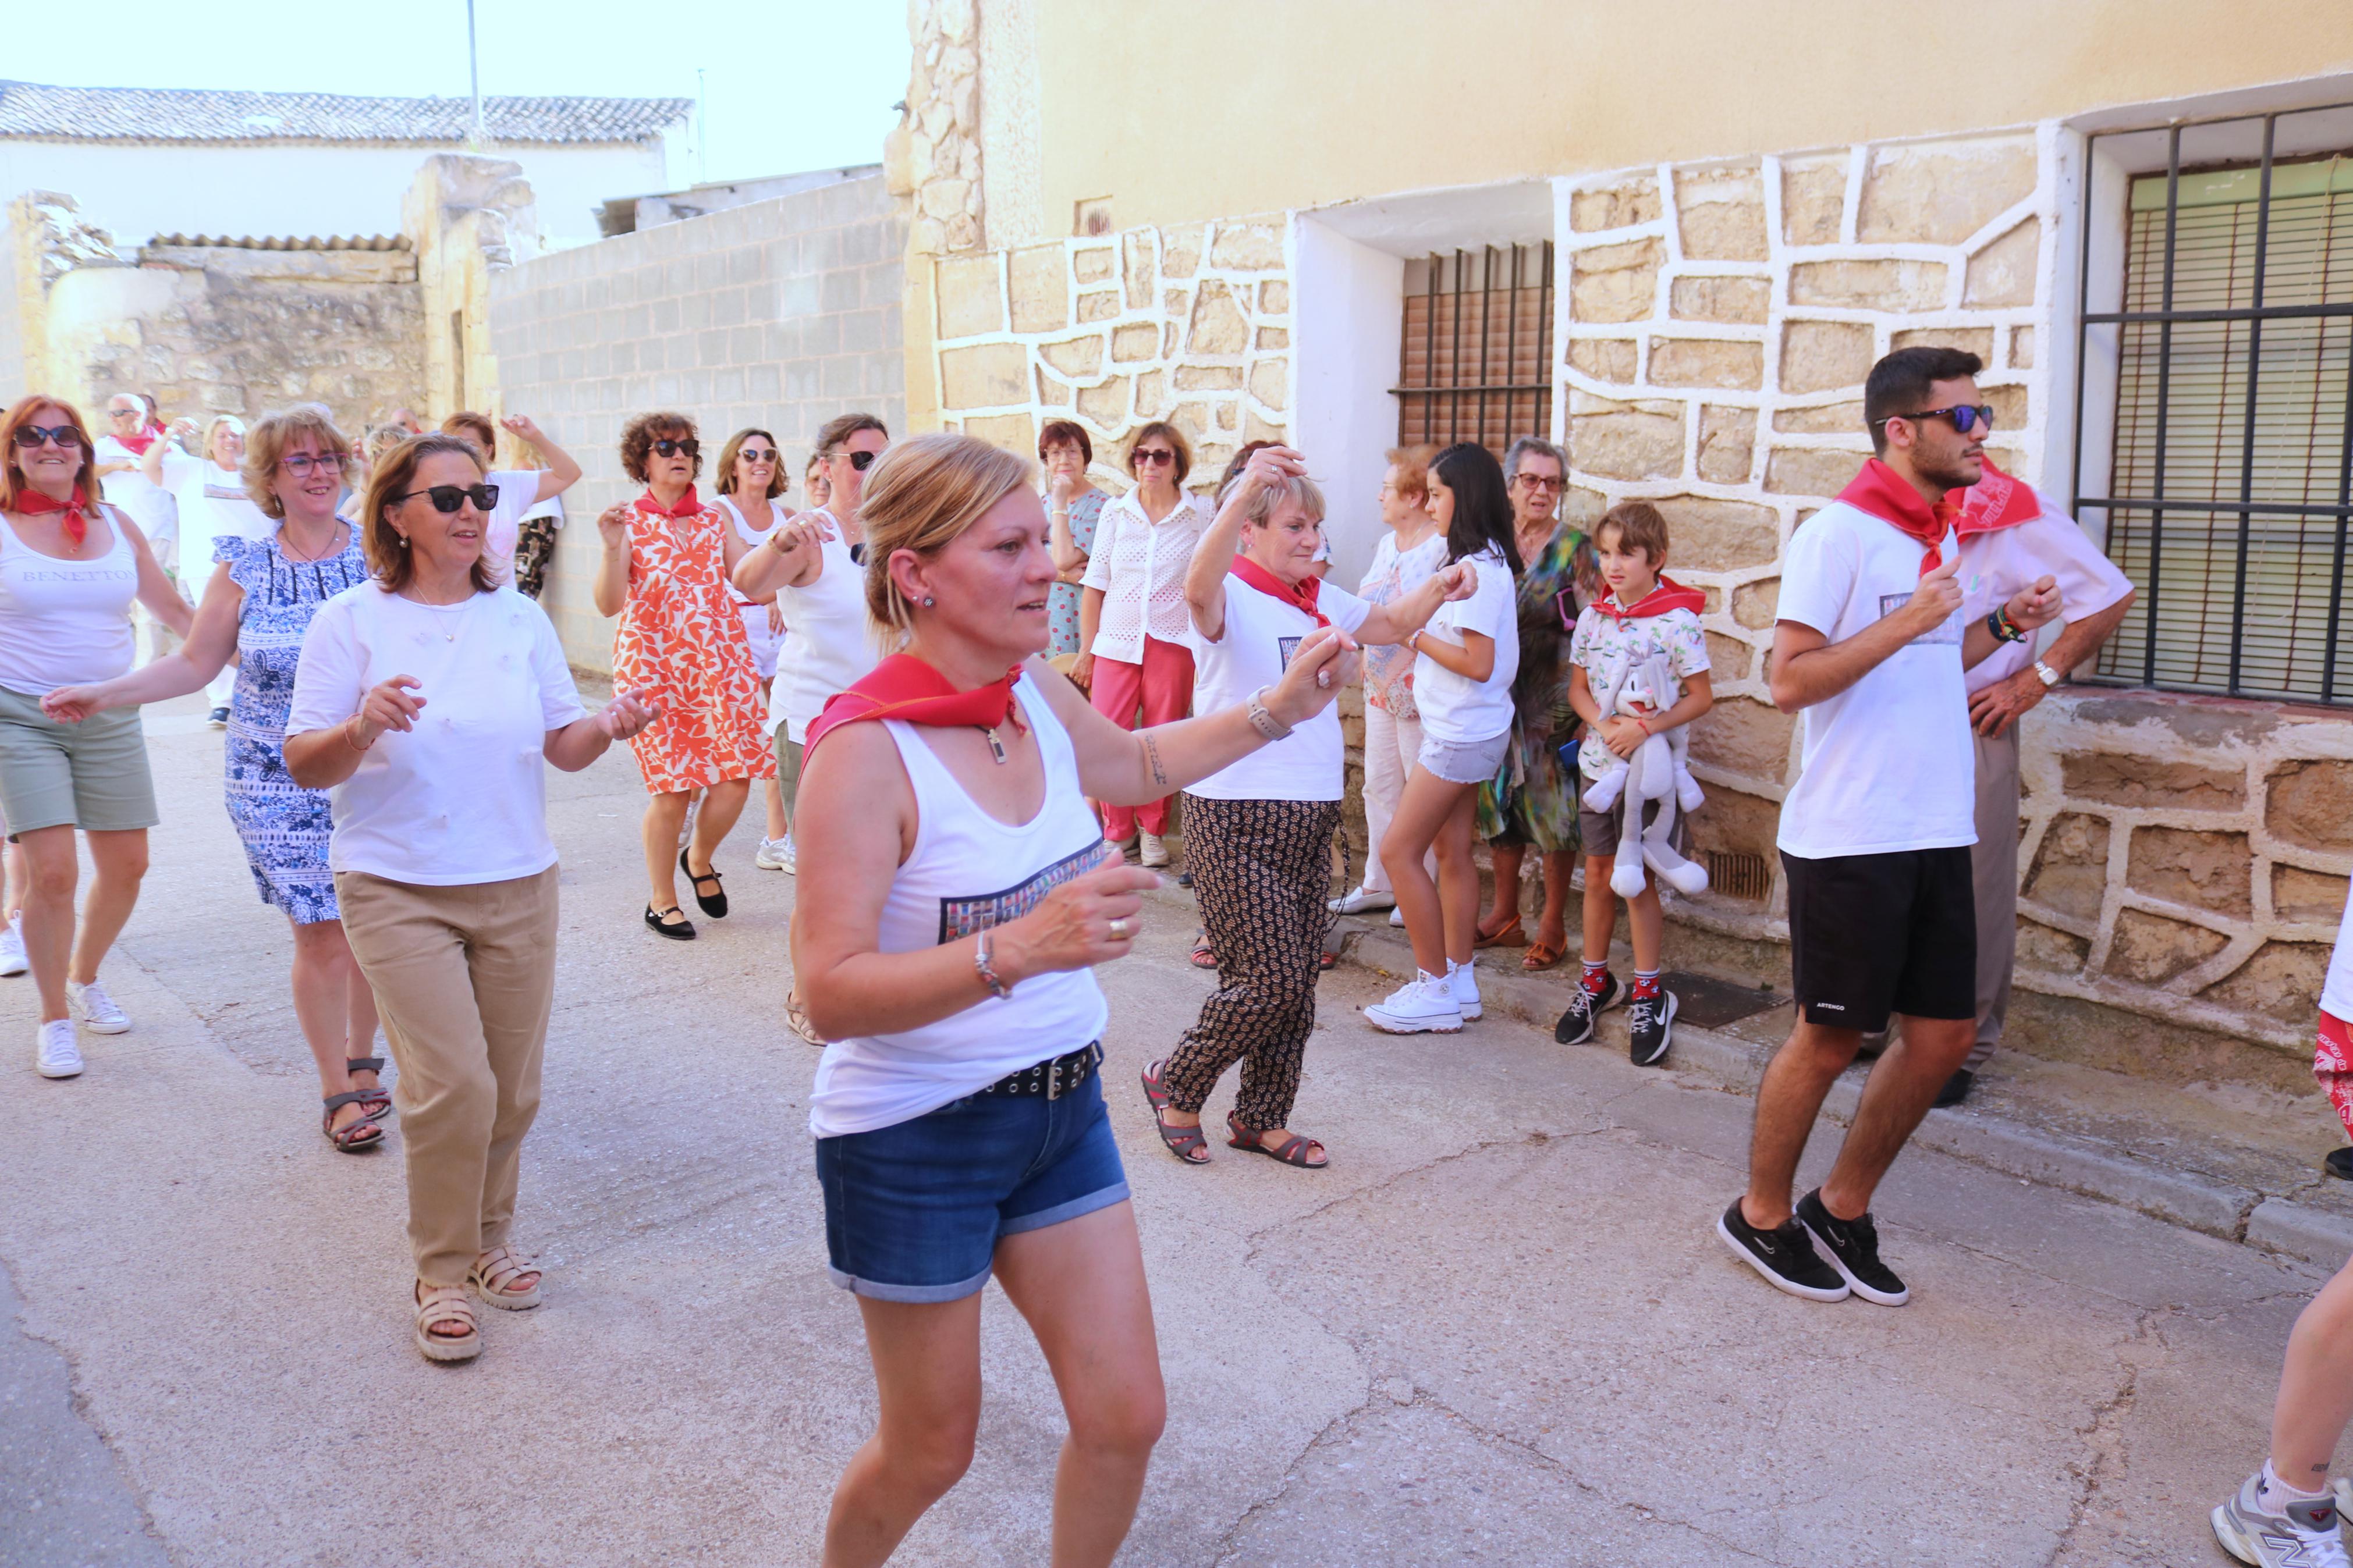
[(1530, 800)]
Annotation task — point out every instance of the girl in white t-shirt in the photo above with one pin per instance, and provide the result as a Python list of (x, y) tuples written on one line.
[(750, 477), (1462, 685)]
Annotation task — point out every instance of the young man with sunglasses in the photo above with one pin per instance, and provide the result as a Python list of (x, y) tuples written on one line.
[(1871, 645)]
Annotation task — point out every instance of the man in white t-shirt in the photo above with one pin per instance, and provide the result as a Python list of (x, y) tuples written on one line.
[(520, 490), (1872, 646), (121, 481)]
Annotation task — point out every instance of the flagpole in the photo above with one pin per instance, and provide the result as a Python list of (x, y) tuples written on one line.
[(474, 76)]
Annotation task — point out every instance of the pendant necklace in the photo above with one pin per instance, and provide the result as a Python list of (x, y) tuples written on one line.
[(996, 746)]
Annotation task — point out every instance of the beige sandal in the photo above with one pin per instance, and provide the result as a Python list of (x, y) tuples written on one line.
[(492, 1274), (437, 1304)]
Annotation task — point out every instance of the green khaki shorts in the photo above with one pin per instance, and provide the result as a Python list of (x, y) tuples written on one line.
[(91, 776), (788, 771)]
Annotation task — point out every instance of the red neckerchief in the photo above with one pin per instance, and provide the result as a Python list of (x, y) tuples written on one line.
[(1669, 595), (1299, 596), (138, 445), (1996, 501), (904, 686), (1887, 496), (688, 504), (33, 503)]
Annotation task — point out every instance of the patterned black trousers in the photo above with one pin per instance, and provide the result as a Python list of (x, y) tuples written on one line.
[(535, 548), (1261, 869)]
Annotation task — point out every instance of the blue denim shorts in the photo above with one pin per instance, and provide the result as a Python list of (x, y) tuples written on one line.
[(915, 1212)]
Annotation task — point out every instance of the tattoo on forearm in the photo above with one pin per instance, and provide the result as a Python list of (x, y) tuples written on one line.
[(1152, 750)]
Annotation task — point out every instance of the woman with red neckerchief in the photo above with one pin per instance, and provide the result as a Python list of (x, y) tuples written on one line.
[(958, 1112), (664, 573)]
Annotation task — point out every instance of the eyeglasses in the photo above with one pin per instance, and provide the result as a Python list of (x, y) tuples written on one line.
[(861, 461), (447, 498), (125, 412), (1536, 482), (31, 436), (670, 449), (1153, 455), (302, 464), (1964, 417)]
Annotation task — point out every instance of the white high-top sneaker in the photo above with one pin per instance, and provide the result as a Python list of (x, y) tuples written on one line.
[(1464, 981), (1423, 1005), (13, 960)]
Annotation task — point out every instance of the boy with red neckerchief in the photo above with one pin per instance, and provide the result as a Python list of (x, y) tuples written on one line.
[(1871, 647), (1645, 614)]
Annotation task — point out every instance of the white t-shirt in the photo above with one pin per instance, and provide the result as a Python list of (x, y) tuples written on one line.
[(149, 505), (827, 647), (2336, 991), (1996, 565), (462, 798), (1888, 763), (1260, 633), (1454, 708), (518, 494), (212, 503), (747, 532)]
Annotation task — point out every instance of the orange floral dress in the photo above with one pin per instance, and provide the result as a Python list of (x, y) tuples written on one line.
[(681, 636)]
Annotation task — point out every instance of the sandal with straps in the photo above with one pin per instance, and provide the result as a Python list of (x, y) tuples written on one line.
[(438, 1304), (362, 1132), (1292, 1150), (1185, 1142), (494, 1270), (711, 904)]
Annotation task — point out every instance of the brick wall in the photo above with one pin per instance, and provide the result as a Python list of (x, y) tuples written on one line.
[(782, 314)]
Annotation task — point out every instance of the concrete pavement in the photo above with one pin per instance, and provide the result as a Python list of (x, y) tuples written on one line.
[(1499, 1329)]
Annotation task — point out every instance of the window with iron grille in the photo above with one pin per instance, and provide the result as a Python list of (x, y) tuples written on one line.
[(2232, 478), (1477, 342)]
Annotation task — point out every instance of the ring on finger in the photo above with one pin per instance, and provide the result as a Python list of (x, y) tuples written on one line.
[(1121, 927)]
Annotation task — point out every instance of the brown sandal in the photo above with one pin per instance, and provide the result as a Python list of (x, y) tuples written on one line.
[(1204, 955), (1292, 1150), (1542, 955), (1508, 935), (1185, 1142)]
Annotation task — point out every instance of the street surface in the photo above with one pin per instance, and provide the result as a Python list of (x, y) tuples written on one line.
[(1500, 1328)]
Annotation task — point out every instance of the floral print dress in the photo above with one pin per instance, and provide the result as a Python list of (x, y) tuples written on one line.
[(1063, 604), (1532, 801), (681, 636), (283, 827)]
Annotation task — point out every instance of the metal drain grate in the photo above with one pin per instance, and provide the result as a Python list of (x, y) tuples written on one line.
[(1739, 874)]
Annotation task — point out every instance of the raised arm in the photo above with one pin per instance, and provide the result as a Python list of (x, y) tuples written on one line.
[(561, 471), (609, 591), (1213, 557), (1397, 621), (787, 558)]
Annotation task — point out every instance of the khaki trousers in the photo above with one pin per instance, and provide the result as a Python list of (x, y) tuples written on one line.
[(1994, 868), (464, 978)]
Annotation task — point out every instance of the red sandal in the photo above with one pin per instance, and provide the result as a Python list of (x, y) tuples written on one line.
[(1292, 1150), (1185, 1142)]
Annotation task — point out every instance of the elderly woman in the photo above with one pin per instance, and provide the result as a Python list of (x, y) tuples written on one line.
[(259, 604), (750, 477), (1132, 617), (1534, 804), (959, 1115), (209, 496), (71, 566), (1073, 504), (664, 573), (430, 700), (1259, 831)]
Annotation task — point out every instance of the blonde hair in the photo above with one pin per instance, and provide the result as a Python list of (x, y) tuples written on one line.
[(1259, 510), (921, 497), (212, 429), (270, 436)]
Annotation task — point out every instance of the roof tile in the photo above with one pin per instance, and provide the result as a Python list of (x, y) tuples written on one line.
[(29, 110)]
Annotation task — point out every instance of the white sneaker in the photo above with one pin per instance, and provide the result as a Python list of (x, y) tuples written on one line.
[(1360, 899), (1464, 980), (1396, 918), (686, 828), (12, 948), (775, 855), (2303, 1535), (1423, 1005), (98, 1014), (56, 1052), (1155, 849)]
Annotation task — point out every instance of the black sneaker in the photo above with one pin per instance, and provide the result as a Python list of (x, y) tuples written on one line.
[(1956, 1088), (1576, 1025), (217, 718), (1650, 1026), (1854, 1247), (1786, 1257)]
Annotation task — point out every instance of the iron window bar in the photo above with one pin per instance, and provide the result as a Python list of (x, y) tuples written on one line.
[(1456, 395)]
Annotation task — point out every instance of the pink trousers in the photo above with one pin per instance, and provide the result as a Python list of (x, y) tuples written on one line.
[(1136, 697)]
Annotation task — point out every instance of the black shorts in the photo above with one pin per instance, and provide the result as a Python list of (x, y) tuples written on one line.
[(1876, 935)]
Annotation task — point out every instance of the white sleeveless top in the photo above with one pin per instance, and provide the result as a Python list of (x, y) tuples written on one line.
[(64, 622), (748, 533), (827, 645), (969, 872)]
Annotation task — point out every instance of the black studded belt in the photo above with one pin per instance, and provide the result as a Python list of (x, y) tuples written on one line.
[(1053, 1079)]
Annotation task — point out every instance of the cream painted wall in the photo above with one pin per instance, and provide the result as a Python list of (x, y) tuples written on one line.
[(1180, 112)]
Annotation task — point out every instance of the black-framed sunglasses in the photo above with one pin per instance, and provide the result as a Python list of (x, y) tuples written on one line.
[(861, 461), (302, 464), (666, 448), (1963, 416), (31, 436), (447, 498)]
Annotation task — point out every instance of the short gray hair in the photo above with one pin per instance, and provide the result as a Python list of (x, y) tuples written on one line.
[(1259, 510), (1536, 445)]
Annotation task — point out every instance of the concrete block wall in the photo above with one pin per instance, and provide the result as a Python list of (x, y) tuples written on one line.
[(781, 313)]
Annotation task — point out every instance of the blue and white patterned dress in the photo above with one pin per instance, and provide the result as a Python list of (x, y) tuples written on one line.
[(284, 827)]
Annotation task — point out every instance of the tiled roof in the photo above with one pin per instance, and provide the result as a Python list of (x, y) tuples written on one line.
[(30, 110), (284, 242)]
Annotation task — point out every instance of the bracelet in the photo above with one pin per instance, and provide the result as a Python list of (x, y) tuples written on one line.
[(1413, 641), (1264, 721), (987, 970), (354, 746), (2003, 628), (774, 535)]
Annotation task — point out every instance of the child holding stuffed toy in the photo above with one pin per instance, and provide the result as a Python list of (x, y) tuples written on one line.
[(1646, 623)]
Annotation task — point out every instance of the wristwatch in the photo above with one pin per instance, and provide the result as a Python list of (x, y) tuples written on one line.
[(2044, 673)]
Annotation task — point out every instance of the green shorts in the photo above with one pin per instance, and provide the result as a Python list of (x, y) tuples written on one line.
[(789, 770), (91, 776)]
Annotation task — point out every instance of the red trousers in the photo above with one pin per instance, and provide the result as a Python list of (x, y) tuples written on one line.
[(1160, 690)]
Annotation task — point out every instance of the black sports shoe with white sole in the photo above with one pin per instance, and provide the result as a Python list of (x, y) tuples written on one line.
[(1576, 1025), (1854, 1247), (1650, 1027), (1785, 1256)]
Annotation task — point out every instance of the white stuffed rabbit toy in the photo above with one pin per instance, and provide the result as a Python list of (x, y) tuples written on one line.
[(1660, 770)]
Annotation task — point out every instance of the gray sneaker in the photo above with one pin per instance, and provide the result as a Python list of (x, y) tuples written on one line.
[(2304, 1536)]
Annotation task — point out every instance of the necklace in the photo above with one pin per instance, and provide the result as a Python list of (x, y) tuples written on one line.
[(996, 746), (283, 539), (441, 610)]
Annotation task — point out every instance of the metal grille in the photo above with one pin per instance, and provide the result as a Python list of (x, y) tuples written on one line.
[(1477, 340), (1739, 874), (2231, 477)]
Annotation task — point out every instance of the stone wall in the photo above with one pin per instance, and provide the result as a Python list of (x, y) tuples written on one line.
[(779, 313)]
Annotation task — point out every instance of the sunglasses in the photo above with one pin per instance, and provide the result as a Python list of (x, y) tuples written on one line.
[(861, 461), (447, 498), (756, 455), (1964, 417), (125, 412), (31, 436), (302, 464), (670, 449), (1536, 482), (1154, 455)]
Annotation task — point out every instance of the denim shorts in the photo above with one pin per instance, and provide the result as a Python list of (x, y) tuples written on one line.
[(915, 1212), (1464, 762)]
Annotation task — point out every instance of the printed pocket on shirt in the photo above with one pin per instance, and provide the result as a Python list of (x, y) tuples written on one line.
[(1285, 647), (1950, 632), (982, 911)]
